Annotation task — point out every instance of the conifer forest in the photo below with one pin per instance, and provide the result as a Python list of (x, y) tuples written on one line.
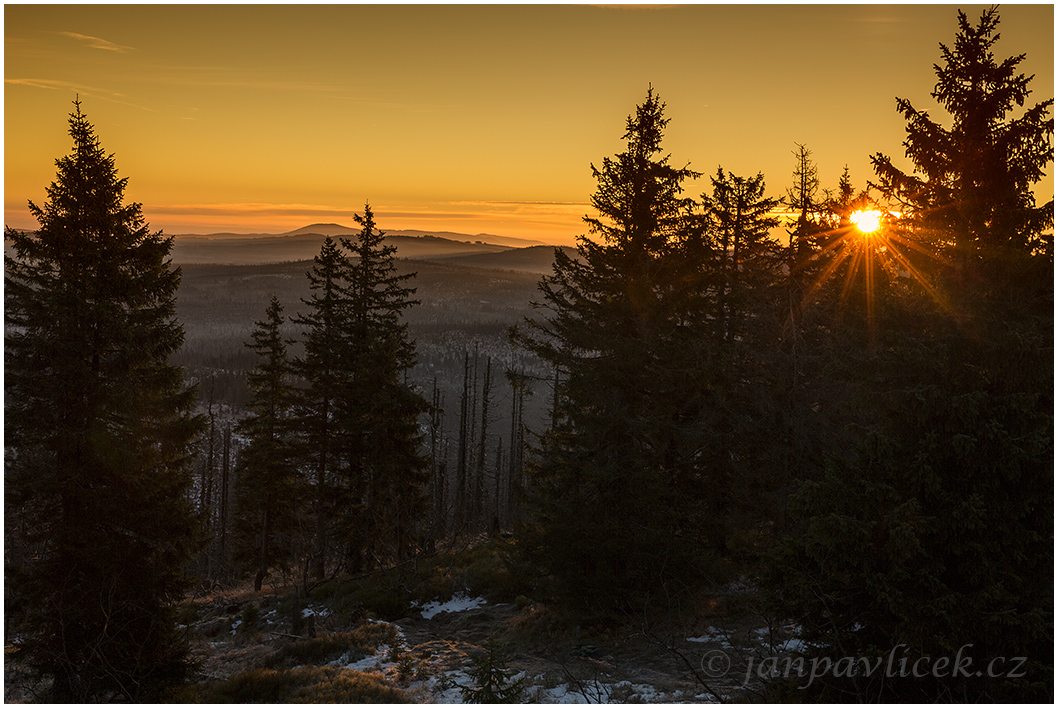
[(818, 417)]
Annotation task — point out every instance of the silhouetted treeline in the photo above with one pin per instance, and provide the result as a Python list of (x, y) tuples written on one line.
[(862, 419)]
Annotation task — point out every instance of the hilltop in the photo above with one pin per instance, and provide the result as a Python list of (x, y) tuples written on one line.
[(481, 250), (332, 229)]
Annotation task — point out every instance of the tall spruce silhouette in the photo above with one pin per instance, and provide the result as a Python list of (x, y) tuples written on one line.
[(616, 482), (98, 438), (324, 369), (380, 410), (970, 197), (269, 490)]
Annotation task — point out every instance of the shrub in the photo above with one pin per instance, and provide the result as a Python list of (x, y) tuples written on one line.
[(186, 613), (377, 594), (492, 679), (249, 616), (358, 643), (493, 570)]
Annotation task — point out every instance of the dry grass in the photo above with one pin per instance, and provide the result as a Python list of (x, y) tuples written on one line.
[(314, 685), (354, 645)]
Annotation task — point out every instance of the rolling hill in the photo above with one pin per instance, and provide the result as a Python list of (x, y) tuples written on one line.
[(340, 230), (304, 243), (532, 259), (279, 248)]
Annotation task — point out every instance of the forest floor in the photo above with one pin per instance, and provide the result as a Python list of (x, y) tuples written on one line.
[(239, 639), (433, 659)]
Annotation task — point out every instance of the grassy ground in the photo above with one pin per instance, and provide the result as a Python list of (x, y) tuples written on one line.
[(364, 639)]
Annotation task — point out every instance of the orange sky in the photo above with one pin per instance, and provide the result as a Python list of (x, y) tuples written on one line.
[(473, 118)]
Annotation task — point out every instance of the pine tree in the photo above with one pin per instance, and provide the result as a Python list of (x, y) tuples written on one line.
[(936, 532), (970, 196), (98, 433), (740, 219), (804, 230), (378, 409), (617, 480), (493, 682), (323, 367), (268, 493)]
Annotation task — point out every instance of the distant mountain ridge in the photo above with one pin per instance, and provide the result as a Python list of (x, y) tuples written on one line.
[(332, 229), (481, 250), (323, 229), (533, 259)]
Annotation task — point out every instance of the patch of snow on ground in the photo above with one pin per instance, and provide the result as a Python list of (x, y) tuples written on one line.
[(379, 661), (792, 645), (645, 692), (457, 604), (454, 693), (598, 692), (712, 635), (445, 687), (560, 694)]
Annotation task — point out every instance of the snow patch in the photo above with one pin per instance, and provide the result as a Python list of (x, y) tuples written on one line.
[(454, 694), (792, 645), (378, 661), (561, 694), (457, 604), (712, 635)]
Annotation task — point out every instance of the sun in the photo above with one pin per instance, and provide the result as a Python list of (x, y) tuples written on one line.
[(867, 220)]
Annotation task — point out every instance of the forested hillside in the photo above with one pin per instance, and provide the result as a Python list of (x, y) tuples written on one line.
[(817, 416)]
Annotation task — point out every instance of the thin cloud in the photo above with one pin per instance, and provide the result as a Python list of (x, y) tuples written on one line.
[(534, 203), (249, 209), (80, 89), (637, 6), (98, 43), (49, 84), (539, 211), (243, 210)]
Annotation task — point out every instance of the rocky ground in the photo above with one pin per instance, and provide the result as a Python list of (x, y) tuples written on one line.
[(428, 655)]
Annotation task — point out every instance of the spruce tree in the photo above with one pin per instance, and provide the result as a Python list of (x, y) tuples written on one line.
[(805, 230), (379, 410), (970, 196), (740, 219), (268, 489), (617, 478), (324, 368), (935, 534), (737, 316), (98, 434), (359, 417)]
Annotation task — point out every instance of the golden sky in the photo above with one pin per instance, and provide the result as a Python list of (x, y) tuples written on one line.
[(471, 118)]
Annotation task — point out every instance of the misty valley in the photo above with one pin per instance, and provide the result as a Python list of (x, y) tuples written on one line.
[(459, 327)]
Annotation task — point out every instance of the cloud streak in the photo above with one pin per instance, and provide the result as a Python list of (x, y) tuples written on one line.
[(80, 89), (98, 43), (242, 209)]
